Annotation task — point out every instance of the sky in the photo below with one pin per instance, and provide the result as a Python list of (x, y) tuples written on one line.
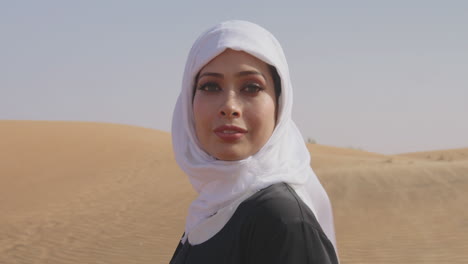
[(382, 76)]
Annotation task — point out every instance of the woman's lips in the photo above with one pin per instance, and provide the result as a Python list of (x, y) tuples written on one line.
[(229, 132)]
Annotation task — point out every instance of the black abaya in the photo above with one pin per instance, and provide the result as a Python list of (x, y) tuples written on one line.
[(272, 226)]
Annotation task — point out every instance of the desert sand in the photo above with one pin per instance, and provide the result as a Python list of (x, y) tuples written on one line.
[(77, 192)]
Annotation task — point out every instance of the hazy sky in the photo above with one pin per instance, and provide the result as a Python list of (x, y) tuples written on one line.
[(384, 76)]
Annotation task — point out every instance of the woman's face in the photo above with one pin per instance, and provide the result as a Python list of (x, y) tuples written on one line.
[(234, 105)]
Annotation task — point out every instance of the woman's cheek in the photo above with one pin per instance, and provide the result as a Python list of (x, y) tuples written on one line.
[(265, 109), (198, 105), (198, 112)]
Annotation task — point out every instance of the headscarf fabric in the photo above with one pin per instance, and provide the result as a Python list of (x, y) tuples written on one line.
[(223, 185)]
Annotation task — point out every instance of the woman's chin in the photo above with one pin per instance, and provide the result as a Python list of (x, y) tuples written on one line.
[(230, 155)]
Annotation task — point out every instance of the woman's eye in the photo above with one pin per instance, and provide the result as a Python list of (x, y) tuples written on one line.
[(252, 88), (209, 87)]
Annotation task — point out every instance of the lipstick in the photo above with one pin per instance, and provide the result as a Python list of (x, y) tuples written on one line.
[(229, 133)]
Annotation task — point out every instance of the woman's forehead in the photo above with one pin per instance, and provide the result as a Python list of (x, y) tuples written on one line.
[(233, 60)]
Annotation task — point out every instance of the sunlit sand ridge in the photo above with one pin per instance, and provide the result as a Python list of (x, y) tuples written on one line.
[(74, 192)]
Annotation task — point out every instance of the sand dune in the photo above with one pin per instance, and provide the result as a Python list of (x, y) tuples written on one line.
[(73, 192), (440, 155)]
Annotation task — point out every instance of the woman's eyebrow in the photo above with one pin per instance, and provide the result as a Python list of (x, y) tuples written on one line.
[(244, 73), (239, 74), (214, 74)]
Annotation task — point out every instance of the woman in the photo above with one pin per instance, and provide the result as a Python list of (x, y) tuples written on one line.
[(259, 201)]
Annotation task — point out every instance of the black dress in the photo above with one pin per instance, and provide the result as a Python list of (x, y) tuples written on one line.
[(272, 226)]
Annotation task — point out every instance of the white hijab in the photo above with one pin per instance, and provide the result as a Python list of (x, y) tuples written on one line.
[(223, 185)]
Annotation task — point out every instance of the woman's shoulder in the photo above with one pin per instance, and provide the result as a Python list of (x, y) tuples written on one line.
[(280, 228), (279, 204)]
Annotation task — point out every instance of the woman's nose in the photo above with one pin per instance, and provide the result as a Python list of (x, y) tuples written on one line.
[(230, 107)]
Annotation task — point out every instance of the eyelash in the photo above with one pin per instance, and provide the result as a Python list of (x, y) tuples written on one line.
[(204, 86), (256, 86)]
